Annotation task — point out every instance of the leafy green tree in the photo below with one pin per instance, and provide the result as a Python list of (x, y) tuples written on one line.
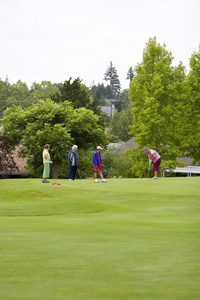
[(19, 95), (5, 92), (123, 101), (42, 91), (120, 124), (191, 139), (112, 76), (57, 124), (159, 95)]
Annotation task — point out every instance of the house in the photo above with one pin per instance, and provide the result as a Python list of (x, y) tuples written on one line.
[(109, 110)]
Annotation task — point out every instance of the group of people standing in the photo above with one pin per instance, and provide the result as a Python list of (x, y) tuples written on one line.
[(153, 155), (73, 163)]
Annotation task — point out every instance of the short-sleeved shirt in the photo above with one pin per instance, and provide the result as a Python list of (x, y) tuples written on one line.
[(155, 153)]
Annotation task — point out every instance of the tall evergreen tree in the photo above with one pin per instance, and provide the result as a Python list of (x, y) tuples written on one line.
[(130, 74), (112, 76)]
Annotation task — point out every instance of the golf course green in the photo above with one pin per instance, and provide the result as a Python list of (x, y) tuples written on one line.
[(124, 239)]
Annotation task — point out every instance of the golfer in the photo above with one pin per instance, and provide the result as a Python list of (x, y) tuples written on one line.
[(154, 158), (73, 162), (46, 163), (97, 161)]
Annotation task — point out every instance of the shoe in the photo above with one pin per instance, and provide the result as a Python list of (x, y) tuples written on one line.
[(69, 179), (103, 180), (155, 178), (45, 181), (96, 180)]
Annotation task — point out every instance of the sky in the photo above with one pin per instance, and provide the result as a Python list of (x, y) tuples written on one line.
[(54, 40)]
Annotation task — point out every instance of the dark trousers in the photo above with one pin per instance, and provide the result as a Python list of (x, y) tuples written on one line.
[(72, 172)]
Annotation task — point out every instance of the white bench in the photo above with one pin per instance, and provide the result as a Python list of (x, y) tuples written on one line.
[(189, 170)]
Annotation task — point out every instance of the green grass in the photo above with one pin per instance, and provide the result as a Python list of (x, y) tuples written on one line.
[(125, 239)]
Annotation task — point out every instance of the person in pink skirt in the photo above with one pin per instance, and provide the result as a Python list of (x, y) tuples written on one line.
[(154, 158)]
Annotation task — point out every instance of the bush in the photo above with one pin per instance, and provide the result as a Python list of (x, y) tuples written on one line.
[(116, 163)]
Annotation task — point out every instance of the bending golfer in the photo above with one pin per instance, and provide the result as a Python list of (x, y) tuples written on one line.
[(97, 161), (154, 158), (46, 162), (73, 162)]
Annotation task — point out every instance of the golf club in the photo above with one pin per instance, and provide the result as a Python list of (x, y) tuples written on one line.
[(148, 170), (79, 174)]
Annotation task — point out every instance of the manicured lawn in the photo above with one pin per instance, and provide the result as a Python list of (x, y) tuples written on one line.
[(125, 239)]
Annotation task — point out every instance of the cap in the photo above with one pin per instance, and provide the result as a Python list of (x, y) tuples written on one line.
[(99, 148)]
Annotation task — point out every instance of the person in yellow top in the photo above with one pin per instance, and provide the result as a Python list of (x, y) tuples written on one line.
[(46, 162)]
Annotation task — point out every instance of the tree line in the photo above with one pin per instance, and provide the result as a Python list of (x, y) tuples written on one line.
[(161, 109)]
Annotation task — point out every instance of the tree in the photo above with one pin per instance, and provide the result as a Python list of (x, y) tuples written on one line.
[(57, 124), (130, 74), (112, 76), (123, 102), (101, 93), (159, 94), (191, 140), (7, 163), (78, 94), (19, 95), (42, 91), (120, 124), (5, 92)]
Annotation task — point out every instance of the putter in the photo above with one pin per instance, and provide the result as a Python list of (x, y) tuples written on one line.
[(79, 174), (148, 171)]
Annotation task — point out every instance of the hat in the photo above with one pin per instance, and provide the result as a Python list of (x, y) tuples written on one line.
[(99, 148)]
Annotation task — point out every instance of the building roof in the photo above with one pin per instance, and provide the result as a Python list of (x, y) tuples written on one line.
[(109, 110), (130, 144)]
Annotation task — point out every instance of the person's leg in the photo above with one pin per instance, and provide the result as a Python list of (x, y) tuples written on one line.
[(156, 168), (95, 173), (101, 175), (74, 169), (70, 172), (46, 172)]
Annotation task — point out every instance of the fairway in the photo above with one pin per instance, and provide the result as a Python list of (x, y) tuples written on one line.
[(125, 239)]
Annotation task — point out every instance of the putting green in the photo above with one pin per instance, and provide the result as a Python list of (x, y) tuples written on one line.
[(126, 239), (40, 200)]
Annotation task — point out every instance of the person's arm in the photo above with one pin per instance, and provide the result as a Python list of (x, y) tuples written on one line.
[(95, 159)]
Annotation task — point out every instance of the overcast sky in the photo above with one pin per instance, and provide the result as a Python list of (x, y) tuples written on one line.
[(58, 39)]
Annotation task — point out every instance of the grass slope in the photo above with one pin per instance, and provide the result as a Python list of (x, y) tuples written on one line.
[(125, 239)]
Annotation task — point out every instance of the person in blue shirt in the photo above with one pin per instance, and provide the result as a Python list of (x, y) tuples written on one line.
[(97, 161), (73, 162)]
